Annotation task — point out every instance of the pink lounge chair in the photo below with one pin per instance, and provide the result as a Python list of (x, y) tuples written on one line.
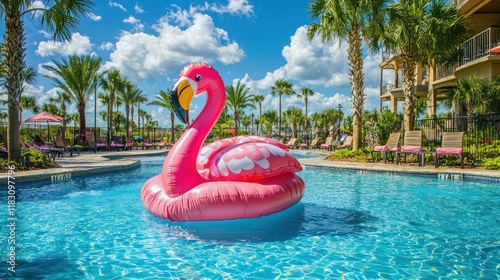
[(147, 143), (328, 144), (391, 146), (412, 145), (451, 145)]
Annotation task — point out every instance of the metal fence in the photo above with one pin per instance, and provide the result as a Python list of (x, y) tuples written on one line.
[(482, 133)]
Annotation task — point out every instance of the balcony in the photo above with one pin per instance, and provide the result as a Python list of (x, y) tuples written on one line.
[(473, 50)]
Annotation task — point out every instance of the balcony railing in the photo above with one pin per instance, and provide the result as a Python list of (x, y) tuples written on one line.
[(473, 49)]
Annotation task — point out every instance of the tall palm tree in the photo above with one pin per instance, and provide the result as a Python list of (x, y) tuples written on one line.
[(349, 20), (27, 103), (142, 114), (269, 120), (62, 98), (57, 17), (140, 98), (113, 84), (423, 32), (79, 77), (238, 99), (129, 96), (305, 92), (295, 117), (259, 99), (163, 100), (281, 87)]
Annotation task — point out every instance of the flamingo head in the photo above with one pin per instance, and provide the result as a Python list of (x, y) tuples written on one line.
[(193, 79)]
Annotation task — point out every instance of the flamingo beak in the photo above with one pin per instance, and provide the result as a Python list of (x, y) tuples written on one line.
[(180, 97)]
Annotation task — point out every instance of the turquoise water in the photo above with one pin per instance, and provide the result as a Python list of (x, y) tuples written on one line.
[(349, 224)]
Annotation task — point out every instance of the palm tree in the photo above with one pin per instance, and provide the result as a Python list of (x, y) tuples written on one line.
[(294, 115), (423, 32), (306, 92), (259, 99), (163, 100), (129, 96), (27, 103), (268, 120), (470, 92), (78, 76), (238, 99), (140, 98), (113, 84), (318, 122), (142, 114), (349, 20), (59, 19), (63, 98), (281, 87)]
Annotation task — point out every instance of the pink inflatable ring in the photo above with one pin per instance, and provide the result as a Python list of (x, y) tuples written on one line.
[(239, 177)]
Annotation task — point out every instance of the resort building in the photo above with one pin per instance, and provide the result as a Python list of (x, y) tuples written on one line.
[(431, 83)]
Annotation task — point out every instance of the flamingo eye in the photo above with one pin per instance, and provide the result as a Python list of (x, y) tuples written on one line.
[(198, 77)]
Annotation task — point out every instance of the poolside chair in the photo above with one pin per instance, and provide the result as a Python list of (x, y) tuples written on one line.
[(59, 143), (163, 143), (129, 144), (451, 145), (147, 144), (328, 144), (391, 146), (291, 143), (312, 145), (412, 145), (347, 143), (99, 146)]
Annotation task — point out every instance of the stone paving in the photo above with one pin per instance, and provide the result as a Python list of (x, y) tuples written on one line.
[(92, 163)]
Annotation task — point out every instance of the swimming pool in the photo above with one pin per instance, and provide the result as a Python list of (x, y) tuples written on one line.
[(350, 224)]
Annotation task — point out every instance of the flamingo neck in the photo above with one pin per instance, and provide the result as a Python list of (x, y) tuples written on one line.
[(179, 172)]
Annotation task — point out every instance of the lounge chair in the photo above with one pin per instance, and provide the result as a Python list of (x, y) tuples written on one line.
[(291, 143), (412, 145), (59, 143), (163, 143), (312, 145), (328, 144), (147, 143), (451, 145), (391, 146), (99, 146), (129, 144), (347, 144)]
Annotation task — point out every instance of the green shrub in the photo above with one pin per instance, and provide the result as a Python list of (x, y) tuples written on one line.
[(37, 160), (361, 155), (492, 163)]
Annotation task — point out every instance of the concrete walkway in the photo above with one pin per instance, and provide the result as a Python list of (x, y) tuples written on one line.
[(91, 163)]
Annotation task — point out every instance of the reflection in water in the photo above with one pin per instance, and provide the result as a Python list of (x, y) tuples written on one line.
[(301, 220)]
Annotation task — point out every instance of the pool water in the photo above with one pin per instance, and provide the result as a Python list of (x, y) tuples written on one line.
[(348, 224)]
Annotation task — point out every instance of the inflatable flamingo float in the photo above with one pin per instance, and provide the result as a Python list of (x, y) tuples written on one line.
[(239, 177)]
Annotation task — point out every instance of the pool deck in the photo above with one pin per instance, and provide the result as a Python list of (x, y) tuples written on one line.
[(90, 163)]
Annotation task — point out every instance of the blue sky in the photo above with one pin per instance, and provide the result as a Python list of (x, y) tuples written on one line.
[(255, 41)]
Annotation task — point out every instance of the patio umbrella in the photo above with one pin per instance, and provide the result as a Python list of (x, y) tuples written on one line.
[(495, 49), (45, 117)]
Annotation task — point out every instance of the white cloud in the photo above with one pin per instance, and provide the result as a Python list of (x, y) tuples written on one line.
[(118, 5), (138, 9), (242, 7), (138, 26), (106, 46), (140, 55), (93, 16), (79, 44)]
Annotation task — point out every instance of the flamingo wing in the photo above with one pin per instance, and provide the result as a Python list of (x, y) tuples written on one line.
[(252, 161), (210, 151)]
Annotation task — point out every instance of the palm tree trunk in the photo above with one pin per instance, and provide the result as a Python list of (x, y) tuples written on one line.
[(81, 113), (355, 55), (172, 126), (279, 126), (14, 66), (408, 76), (127, 113)]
